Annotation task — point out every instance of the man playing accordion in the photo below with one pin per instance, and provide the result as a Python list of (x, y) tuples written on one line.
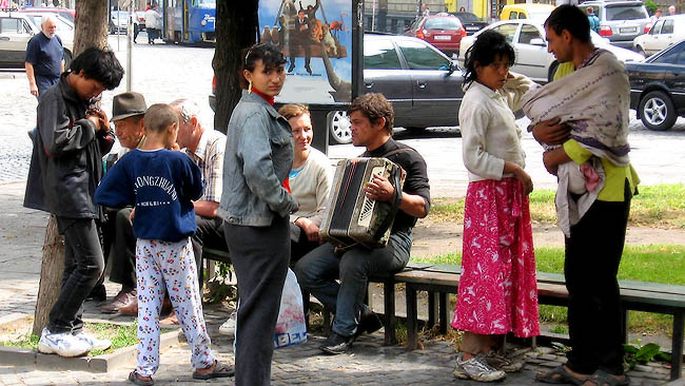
[(372, 118)]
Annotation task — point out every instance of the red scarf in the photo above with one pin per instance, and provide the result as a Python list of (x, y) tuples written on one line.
[(269, 99)]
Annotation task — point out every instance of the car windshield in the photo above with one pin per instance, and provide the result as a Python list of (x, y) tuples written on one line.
[(444, 23), (468, 17), (626, 12)]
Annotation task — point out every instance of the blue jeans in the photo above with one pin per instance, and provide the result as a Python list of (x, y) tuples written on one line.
[(83, 265), (318, 270)]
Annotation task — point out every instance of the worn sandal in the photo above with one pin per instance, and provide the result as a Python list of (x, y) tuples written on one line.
[(139, 380), (602, 378), (220, 371), (559, 376)]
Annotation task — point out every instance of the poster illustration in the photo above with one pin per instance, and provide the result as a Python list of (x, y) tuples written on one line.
[(315, 36)]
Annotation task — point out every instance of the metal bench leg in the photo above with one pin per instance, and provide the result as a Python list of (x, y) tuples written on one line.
[(444, 313), (432, 308), (677, 345), (389, 309), (412, 318)]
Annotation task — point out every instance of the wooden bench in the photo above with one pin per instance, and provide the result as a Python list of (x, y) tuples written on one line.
[(440, 281)]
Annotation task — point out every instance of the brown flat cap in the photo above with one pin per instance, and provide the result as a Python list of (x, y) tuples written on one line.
[(128, 104)]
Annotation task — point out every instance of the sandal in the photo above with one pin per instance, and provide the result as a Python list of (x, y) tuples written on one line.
[(602, 378), (559, 376), (220, 371), (139, 380)]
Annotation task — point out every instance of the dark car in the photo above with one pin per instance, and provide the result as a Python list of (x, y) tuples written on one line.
[(444, 31), (471, 22), (423, 85), (657, 87)]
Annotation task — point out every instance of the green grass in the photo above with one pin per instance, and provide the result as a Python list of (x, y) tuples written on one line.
[(658, 206), (120, 335), (653, 263)]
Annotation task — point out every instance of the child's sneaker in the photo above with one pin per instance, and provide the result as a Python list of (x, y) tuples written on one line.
[(477, 369), (228, 327), (63, 344), (500, 362), (95, 343)]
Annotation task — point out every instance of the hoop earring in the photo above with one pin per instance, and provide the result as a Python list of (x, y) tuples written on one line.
[(249, 86)]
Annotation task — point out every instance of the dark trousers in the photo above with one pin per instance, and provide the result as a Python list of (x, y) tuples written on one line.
[(300, 40), (45, 82), (83, 265), (299, 244), (593, 254), (260, 257), (318, 271), (209, 233), (123, 251)]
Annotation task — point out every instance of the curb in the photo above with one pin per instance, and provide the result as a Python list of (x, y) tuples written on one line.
[(100, 364)]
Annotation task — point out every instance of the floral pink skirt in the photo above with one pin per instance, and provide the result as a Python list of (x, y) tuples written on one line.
[(497, 288)]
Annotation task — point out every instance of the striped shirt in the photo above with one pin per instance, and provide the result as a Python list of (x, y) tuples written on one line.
[(209, 156)]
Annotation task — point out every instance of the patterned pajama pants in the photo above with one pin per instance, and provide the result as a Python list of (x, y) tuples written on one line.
[(166, 265)]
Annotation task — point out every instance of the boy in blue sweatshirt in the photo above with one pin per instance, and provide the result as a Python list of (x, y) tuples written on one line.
[(161, 185)]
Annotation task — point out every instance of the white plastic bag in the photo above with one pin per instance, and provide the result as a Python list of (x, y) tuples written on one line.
[(291, 327)]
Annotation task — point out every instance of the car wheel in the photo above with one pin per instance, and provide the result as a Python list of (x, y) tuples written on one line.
[(657, 111), (67, 59), (552, 69), (641, 51), (339, 127)]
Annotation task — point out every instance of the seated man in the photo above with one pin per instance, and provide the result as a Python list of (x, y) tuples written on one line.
[(206, 149), (120, 244), (310, 182), (372, 117)]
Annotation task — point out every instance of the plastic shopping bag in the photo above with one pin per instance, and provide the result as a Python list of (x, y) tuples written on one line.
[(291, 328)]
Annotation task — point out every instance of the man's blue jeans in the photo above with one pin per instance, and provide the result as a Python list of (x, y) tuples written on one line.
[(318, 271)]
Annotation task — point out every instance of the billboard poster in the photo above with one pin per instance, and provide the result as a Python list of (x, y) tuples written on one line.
[(316, 38)]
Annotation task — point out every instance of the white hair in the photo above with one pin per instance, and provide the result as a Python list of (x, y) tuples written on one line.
[(47, 18), (187, 108)]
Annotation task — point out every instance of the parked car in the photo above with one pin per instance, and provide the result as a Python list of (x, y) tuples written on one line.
[(620, 21), (444, 31), (532, 58), (118, 21), (65, 28), (16, 29), (67, 13), (423, 84), (657, 87), (471, 22), (665, 32), (533, 11)]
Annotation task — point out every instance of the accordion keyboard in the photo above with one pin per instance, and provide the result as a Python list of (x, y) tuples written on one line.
[(368, 204)]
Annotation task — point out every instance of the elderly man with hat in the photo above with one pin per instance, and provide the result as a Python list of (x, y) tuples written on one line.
[(127, 115)]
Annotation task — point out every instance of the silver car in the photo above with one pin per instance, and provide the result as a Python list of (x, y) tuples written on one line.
[(16, 30), (620, 21), (423, 85), (528, 39)]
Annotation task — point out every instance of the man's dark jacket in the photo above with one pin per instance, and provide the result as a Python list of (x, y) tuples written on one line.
[(66, 164)]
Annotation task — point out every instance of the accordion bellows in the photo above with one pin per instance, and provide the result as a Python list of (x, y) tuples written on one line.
[(352, 218)]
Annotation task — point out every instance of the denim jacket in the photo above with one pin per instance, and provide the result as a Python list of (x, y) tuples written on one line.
[(258, 158)]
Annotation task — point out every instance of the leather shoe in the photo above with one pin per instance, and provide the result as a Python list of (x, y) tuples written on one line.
[(337, 344), (98, 293), (123, 298), (130, 309), (369, 323)]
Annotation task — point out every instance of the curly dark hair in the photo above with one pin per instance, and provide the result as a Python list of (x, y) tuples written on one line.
[(488, 46), (374, 106), (99, 64), (268, 53)]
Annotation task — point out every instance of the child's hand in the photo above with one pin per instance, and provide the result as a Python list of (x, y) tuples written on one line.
[(175, 147)]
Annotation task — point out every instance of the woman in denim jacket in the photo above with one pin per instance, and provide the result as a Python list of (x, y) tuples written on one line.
[(255, 205)]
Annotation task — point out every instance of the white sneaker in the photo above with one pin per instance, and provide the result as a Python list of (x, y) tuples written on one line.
[(477, 369), (63, 344), (228, 327), (95, 343)]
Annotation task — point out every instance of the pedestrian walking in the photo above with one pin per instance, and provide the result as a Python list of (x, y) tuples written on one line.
[(44, 57), (162, 184), (497, 289)]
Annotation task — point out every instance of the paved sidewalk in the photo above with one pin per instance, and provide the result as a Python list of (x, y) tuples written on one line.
[(370, 363)]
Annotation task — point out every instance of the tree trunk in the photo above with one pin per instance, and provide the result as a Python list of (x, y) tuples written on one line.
[(236, 28), (91, 31), (91, 25), (51, 269)]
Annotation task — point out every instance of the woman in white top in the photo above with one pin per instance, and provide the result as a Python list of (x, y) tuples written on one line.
[(497, 291), (310, 182)]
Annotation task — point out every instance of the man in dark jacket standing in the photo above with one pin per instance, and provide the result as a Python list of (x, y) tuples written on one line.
[(66, 166)]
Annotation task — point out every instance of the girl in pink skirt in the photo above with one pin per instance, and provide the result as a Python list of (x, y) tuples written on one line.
[(497, 290)]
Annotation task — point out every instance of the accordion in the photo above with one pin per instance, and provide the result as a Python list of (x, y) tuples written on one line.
[(352, 218)]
